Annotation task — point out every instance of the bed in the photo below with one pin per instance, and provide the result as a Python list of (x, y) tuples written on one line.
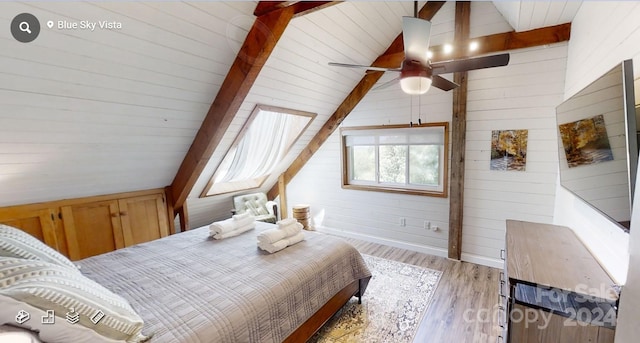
[(190, 288)]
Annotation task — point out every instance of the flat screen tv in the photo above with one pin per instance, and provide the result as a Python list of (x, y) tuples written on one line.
[(598, 144)]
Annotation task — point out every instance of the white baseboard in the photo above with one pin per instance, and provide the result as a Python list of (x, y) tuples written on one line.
[(385, 241), (482, 260)]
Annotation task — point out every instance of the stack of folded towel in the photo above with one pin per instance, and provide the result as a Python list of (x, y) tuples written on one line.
[(288, 232), (233, 226)]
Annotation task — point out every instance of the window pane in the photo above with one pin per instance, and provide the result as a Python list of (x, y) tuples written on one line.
[(364, 163), (423, 164), (393, 163)]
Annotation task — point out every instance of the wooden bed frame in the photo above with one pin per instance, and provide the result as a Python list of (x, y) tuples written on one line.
[(317, 320)]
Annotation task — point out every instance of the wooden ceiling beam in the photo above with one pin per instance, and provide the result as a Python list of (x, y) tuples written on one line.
[(256, 49), (265, 7), (299, 7), (490, 44), (501, 42), (355, 96), (306, 7)]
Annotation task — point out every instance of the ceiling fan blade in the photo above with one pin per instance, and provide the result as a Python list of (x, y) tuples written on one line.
[(387, 84), (416, 33), (470, 64), (346, 65), (442, 83)]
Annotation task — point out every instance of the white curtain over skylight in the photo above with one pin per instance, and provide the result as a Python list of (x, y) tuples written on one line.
[(269, 134)]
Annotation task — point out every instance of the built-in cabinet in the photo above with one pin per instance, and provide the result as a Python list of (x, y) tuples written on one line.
[(552, 289), (85, 227)]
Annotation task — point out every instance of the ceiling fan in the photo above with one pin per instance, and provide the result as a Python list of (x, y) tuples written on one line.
[(417, 73)]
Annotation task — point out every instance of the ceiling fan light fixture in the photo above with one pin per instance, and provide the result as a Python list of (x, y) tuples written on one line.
[(415, 85), (447, 48)]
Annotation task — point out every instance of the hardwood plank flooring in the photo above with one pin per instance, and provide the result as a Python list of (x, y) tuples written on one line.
[(464, 307)]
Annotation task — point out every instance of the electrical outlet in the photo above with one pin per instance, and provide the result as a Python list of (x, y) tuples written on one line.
[(427, 225), (403, 221)]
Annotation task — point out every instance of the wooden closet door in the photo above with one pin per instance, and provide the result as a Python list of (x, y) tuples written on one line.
[(92, 228), (144, 218), (41, 224)]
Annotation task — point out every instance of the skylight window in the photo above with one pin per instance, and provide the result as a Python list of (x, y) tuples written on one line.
[(262, 144)]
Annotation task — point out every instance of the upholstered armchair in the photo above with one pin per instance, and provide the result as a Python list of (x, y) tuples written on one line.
[(258, 205)]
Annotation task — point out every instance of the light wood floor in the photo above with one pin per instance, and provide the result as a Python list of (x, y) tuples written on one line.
[(464, 306)]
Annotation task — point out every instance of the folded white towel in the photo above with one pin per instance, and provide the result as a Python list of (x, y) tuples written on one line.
[(230, 224), (291, 229), (281, 244), (235, 232), (287, 221), (295, 239), (280, 232), (241, 216), (273, 247), (271, 235)]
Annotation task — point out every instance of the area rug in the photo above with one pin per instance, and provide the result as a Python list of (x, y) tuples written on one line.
[(392, 307)]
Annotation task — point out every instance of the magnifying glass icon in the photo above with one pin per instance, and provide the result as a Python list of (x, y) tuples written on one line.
[(24, 27)]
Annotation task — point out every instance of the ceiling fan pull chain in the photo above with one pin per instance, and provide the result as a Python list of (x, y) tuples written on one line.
[(419, 110), (410, 111)]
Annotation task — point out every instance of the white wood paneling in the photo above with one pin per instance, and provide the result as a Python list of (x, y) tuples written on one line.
[(486, 19), (86, 113), (529, 15), (520, 96), (605, 35)]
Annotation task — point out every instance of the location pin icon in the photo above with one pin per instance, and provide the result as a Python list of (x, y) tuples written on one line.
[(50, 23)]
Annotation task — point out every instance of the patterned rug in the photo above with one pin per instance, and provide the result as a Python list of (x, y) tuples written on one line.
[(392, 307)]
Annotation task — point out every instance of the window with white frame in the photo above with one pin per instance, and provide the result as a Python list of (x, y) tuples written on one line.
[(261, 145), (396, 158)]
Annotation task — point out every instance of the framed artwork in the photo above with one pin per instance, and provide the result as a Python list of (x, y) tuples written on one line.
[(509, 149), (585, 141)]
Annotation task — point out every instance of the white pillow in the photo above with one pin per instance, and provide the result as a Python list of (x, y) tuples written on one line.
[(17, 335), (38, 286), (17, 243)]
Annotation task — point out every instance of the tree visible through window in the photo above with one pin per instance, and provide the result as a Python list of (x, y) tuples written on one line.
[(396, 158)]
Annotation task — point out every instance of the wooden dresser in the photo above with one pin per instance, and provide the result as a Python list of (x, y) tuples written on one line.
[(552, 289)]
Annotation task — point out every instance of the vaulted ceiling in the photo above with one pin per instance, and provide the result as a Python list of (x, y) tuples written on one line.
[(86, 113)]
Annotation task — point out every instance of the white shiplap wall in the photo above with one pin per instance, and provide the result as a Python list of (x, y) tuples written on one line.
[(603, 35), (528, 15), (86, 113), (522, 95), (606, 34), (374, 215)]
